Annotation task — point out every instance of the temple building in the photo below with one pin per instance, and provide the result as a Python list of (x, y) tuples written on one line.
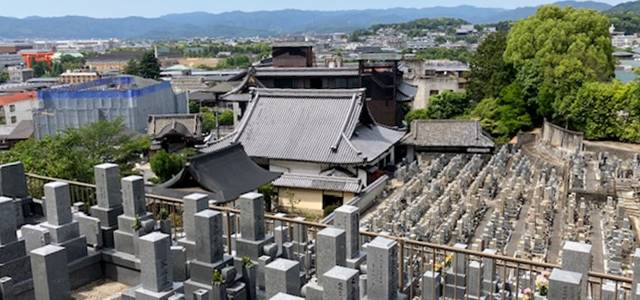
[(447, 136), (325, 142), (293, 66), (224, 175), (173, 133)]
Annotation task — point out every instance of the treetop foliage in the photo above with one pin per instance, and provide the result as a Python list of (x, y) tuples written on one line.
[(73, 153)]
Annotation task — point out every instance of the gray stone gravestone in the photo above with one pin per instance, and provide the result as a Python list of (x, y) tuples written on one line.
[(134, 208), (330, 251), (109, 200), (341, 284), (50, 273), (252, 232), (13, 184), (284, 296), (209, 252), (347, 218), (382, 269), (565, 285), (192, 204), (282, 276), (14, 261), (64, 231), (431, 286)]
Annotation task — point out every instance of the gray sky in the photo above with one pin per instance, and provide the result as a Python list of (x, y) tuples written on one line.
[(154, 8)]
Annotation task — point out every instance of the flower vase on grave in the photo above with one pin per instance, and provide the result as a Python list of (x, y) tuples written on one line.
[(249, 276), (164, 223), (538, 296), (165, 226), (218, 288)]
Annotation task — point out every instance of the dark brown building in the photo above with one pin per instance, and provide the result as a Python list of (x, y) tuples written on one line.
[(292, 67), (292, 55), (13, 48)]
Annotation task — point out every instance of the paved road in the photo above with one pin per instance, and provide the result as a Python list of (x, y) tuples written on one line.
[(518, 231)]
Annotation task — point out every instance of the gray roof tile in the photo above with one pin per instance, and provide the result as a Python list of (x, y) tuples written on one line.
[(308, 125)]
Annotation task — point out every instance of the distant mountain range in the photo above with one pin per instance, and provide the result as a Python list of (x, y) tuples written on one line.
[(633, 6), (239, 24)]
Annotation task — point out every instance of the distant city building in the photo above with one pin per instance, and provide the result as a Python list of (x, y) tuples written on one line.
[(293, 66), (625, 41), (9, 60), (466, 29), (31, 56), (16, 117), (16, 107), (73, 77), (13, 48), (133, 99), (19, 74), (112, 62), (433, 77)]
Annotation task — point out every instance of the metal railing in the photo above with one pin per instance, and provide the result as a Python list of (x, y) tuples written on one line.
[(414, 257)]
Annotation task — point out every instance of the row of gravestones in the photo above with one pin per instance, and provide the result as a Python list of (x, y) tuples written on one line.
[(344, 269)]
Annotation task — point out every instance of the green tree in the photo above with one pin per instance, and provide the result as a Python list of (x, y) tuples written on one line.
[(132, 68), (607, 111), (560, 49), (235, 62), (40, 68), (504, 116), (489, 73), (208, 121), (166, 165), (447, 105), (416, 114), (194, 107), (149, 66), (226, 118), (4, 77), (65, 63), (72, 153), (627, 22)]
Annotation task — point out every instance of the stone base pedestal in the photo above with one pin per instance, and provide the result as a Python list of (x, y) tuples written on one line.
[(202, 272), (454, 292), (139, 293), (107, 237), (355, 263), (237, 291), (313, 291), (108, 216), (252, 249), (456, 279), (189, 246), (121, 267), (125, 238), (76, 248), (18, 268)]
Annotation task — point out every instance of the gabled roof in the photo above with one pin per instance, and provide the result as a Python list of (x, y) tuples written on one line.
[(308, 125), (319, 182), (186, 125), (407, 92), (447, 133), (224, 174), (307, 72)]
